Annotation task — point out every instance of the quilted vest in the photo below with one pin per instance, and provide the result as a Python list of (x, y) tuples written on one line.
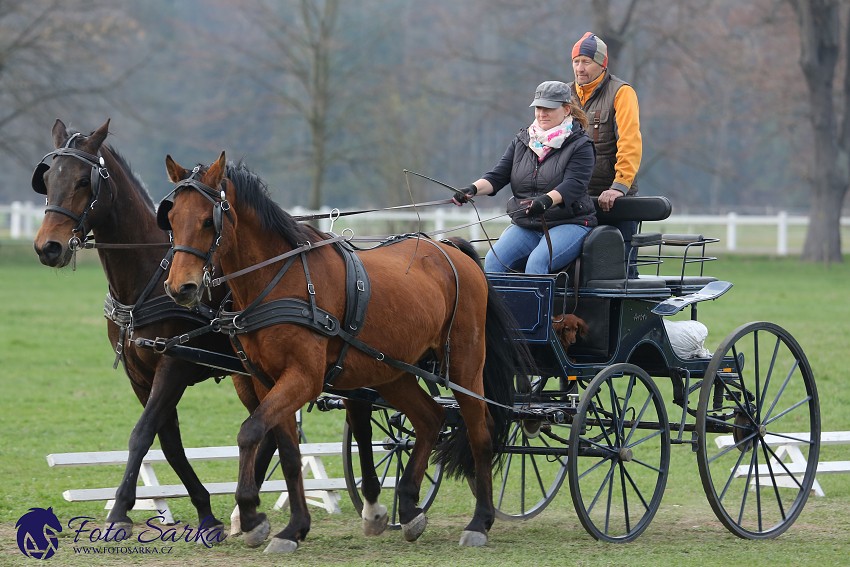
[(603, 131), (530, 179)]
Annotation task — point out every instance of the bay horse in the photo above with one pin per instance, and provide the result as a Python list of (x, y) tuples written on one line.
[(290, 324), (91, 188)]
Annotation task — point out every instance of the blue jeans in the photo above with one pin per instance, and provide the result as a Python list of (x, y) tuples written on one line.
[(518, 244)]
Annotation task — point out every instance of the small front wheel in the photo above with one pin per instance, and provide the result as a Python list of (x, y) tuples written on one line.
[(619, 455)]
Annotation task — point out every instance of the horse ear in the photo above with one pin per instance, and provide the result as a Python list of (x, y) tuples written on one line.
[(216, 171), (98, 136), (176, 172), (60, 133)]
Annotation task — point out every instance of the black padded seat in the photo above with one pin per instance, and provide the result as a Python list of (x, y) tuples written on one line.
[(641, 283)]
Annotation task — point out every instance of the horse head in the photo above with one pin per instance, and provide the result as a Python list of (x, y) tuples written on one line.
[(195, 211), (71, 181)]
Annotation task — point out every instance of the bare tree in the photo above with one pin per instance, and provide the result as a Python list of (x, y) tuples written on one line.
[(51, 60), (824, 26)]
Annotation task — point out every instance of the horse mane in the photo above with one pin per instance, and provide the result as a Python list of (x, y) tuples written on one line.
[(127, 170), (254, 193)]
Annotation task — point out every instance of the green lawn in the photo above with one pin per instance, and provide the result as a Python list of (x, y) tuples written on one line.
[(60, 394)]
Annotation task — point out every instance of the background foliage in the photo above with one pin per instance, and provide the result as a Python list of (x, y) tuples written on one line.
[(331, 100)]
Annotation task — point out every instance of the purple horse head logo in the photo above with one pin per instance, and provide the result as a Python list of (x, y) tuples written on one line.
[(37, 533)]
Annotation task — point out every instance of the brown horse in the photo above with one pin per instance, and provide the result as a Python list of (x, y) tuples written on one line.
[(90, 188), (425, 298)]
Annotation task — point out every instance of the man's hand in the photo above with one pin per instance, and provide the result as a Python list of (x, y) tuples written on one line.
[(606, 198)]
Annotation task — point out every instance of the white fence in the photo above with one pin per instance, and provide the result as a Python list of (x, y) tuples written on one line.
[(779, 234)]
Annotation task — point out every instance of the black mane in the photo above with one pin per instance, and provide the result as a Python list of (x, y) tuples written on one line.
[(127, 170), (254, 192)]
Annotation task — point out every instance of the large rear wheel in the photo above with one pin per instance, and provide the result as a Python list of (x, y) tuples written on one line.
[(619, 455), (758, 390)]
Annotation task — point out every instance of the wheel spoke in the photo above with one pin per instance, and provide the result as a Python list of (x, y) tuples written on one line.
[(776, 398)]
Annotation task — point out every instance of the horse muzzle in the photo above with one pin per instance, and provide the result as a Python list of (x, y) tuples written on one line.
[(53, 254), (187, 295)]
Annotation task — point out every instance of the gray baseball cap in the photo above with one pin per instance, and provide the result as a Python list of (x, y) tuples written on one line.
[(551, 94)]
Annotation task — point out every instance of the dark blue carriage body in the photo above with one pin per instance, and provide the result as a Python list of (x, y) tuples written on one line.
[(624, 316)]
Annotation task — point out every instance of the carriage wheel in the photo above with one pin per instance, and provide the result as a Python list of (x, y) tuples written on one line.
[(758, 384), (533, 467), (619, 454), (392, 444)]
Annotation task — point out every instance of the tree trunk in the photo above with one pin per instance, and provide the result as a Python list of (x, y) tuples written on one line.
[(820, 26)]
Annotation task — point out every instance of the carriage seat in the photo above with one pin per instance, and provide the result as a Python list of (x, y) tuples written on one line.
[(603, 264)]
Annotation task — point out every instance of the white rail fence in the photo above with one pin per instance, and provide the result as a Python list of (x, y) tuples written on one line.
[(780, 234)]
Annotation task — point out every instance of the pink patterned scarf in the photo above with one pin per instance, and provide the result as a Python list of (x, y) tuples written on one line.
[(542, 141)]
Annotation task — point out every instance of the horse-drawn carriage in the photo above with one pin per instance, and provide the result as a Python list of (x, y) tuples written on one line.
[(427, 354)]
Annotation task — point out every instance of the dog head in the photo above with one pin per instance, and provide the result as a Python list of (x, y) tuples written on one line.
[(569, 328)]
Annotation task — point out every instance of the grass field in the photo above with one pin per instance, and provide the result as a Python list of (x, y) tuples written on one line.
[(60, 394)]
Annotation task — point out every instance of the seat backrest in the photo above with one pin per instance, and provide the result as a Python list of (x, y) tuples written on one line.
[(652, 208), (602, 255)]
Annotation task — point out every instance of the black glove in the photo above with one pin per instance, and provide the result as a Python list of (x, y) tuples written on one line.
[(465, 195), (539, 205)]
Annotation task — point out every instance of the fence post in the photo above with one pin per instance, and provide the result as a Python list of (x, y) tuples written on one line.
[(474, 228), (16, 213), (731, 232), (439, 221), (782, 233)]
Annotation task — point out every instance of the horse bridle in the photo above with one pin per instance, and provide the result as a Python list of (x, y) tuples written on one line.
[(220, 207), (99, 173)]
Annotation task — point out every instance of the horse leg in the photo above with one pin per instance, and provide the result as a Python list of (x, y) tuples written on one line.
[(281, 401), (427, 418), (245, 390), (159, 403), (298, 527), (374, 515), (478, 423), (172, 447)]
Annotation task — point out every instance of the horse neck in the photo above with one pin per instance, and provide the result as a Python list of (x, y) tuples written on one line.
[(253, 246), (130, 221)]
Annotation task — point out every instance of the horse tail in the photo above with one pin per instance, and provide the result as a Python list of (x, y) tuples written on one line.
[(506, 358)]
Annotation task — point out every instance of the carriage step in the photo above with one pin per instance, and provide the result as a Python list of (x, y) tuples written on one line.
[(671, 306)]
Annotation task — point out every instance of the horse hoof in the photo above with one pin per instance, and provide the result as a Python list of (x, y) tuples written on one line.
[(258, 535), (375, 520), (473, 539), (375, 526), (414, 528), (214, 536), (235, 523), (117, 527), (278, 545)]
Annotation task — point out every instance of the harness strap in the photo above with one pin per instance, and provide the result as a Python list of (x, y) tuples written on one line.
[(358, 291), (249, 366), (264, 263), (415, 370)]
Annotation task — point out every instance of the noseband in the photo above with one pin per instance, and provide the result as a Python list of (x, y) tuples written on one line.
[(98, 174)]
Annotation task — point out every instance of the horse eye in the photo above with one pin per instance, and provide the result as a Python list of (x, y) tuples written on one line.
[(208, 223), (84, 182)]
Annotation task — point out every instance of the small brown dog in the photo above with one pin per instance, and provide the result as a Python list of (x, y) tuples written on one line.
[(568, 328)]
